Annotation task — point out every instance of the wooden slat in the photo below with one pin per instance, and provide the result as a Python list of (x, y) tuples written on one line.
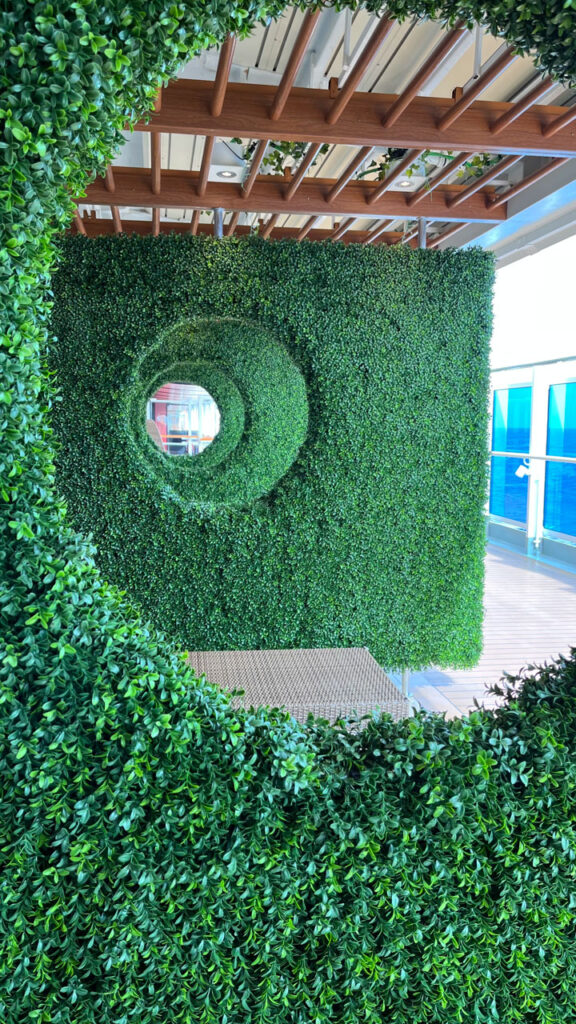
[(350, 171), (156, 161), (231, 226), (309, 158), (376, 232), (480, 183), (442, 51), (482, 83), (80, 227), (194, 222), (269, 225), (560, 122), (493, 204), (96, 227), (179, 190), (438, 179), (521, 106), (222, 74), (293, 66), (393, 176), (156, 220), (359, 70), (116, 219), (434, 243), (205, 166), (342, 228), (310, 223), (186, 111), (257, 159), (109, 179)]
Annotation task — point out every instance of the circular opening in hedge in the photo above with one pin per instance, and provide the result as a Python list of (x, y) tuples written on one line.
[(182, 419)]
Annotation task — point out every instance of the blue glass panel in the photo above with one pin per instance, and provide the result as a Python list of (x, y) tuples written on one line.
[(510, 433), (560, 491)]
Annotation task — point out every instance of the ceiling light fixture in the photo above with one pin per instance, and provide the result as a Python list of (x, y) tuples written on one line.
[(226, 174), (404, 183)]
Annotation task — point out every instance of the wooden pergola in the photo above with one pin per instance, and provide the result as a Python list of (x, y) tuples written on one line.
[(362, 210)]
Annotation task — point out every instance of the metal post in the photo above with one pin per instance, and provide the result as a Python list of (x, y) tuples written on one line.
[(405, 678), (218, 222), (421, 233)]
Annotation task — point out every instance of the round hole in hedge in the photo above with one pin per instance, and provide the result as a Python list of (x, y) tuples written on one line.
[(182, 418)]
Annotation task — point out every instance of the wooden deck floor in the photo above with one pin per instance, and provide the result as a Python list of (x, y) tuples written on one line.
[(530, 618)]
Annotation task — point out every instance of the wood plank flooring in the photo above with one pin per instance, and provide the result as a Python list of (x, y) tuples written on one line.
[(530, 618)]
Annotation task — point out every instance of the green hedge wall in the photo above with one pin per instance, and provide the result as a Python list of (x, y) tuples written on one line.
[(162, 859), (350, 511)]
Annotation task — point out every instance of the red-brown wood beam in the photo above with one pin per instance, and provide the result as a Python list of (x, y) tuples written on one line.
[(376, 232), (520, 106), (156, 220), (438, 179), (195, 221), (309, 158), (479, 183), (482, 83), (559, 122), (442, 51), (116, 220), (186, 111), (97, 227), (156, 161), (497, 201), (307, 227), (257, 159), (205, 166), (445, 234), (158, 101), (231, 225), (109, 179), (342, 228), (179, 191), (270, 225), (222, 74), (293, 66), (359, 70), (349, 173), (80, 226), (393, 176)]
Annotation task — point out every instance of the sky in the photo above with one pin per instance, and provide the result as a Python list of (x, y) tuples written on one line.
[(535, 307)]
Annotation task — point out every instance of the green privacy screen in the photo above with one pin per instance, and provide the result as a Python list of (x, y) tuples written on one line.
[(341, 502)]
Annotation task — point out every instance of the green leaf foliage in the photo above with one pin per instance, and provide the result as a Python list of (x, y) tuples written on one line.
[(358, 523), (163, 859)]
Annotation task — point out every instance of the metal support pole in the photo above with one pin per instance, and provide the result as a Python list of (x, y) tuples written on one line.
[(405, 678), (218, 222), (421, 233)]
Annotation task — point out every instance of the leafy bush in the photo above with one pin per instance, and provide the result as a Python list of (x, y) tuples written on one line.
[(369, 531), (163, 859)]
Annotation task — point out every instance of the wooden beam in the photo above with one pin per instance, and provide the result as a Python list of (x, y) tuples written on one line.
[(116, 220), (482, 83), (350, 171), (222, 74), (109, 179), (559, 122), (156, 161), (186, 111), (80, 226), (521, 105), (194, 222), (396, 173), (434, 243), (342, 228), (376, 232), (179, 190), (438, 179), (156, 220), (480, 183), (309, 158), (97, 227), (205, 166), (359, 70), (442, 51), (257, 159), (307, 227), (231, 225), (293, 66), (270, 224), (494, 203)]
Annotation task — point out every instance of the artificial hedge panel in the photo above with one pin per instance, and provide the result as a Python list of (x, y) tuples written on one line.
[(358, 523), (162, 859)]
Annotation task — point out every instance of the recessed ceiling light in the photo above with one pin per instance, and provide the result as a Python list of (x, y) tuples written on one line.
[(404, 183), (226, 174)]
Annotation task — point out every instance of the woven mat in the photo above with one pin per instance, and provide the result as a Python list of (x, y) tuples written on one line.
[(329, 682)]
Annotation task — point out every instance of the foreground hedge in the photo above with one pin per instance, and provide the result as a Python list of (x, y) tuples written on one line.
[(347, 509), (102, 731)]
